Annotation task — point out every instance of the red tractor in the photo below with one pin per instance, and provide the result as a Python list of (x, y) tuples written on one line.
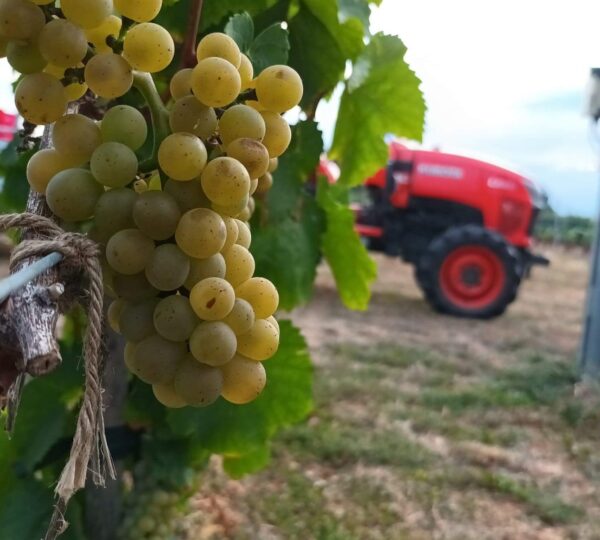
[(465, 225)]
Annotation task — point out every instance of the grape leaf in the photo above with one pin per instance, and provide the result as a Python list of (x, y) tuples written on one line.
[(352, 267), (270, 47), (381, 97), (15, 189), (241, 28), (238, 466)]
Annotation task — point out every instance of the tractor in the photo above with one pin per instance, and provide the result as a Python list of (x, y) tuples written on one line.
[(465, 225)]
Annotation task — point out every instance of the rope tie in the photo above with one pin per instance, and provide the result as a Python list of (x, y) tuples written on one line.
[(89, 443)]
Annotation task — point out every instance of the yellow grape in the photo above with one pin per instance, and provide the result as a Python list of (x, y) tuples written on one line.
[(156, 359), (212, 267), (97, 36), (247, 212), (273, 164), (182, 156), (253, 186), (43, 165), (113, 212), (278, 134), (20, 19), (244, 234), (62, 43), (148, 47), (196, 384), (168, 268), (3, 45), (25, 57), (138, 10), (189, 195), (129, 251), (243, 380), (133, 287), (261, 294), (76, 137), (241, 121), (75, 91), (129, 355), (87, 13), (165, 394), (216, 82), (279, 88), (114, 164), (213, 343), (40, 98), (232, 233), (225, 181), (246, 71), (181, 84), (201, 233), (221, 46), (260, 342), (191, 116), (72, 194), (212, 299), (232, 210), (241, 318), (108, 75), (254, 104), (43, 2), (274, 323), (136, 320), (252, 154), (174, 318), (240, 265), (265, 183), (113, 314)]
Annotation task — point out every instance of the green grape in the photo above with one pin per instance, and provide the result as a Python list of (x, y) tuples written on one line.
[(225, 181), (279, 88), (221, 46), (97, 36), (113, 314), (72, 194), (196, 384), (273, 322), (243, 380), (114, 212), (148, 47), (25, 57), (244, 234), (125, 125), (241, 121), (278, 135), (168, 268), (87, 13), (246, 213), (76, 137), (213, 343), (191, 116), (114, 164), (136, 320), (156, 214), (129, 251), (174, 318), (212, 267), (156, 359), (240, 265), (3, 45), (232, 233), (262, 294), (43, 165), (129, 355), (251, 154), (108, 75), (246, 71), (166, 395), (20, 19), (181, 84), (233, 210), (265, 183), (273, 164), (62, 43), (201, 233), (40, 98), (241, 318), (189, 195), (182, 156), (134, 287), (212, 299), (216, 82), (138, 10), (260, 342)]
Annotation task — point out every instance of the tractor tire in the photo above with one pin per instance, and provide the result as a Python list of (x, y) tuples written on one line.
[(469, 272)]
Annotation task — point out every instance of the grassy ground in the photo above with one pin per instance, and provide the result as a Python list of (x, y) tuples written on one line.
[(429, 427)]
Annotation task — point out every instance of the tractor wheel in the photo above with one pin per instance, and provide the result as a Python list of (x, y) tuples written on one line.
[(469, 271)]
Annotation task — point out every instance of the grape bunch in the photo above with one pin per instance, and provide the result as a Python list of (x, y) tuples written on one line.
[(176, 238)]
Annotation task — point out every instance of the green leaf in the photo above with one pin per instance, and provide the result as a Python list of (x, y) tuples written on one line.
[(381, 97), (235, 431), (359, 9), (241, 28), (25, 510), (238, 466), (270, 47), (15, 187), (352, 267)]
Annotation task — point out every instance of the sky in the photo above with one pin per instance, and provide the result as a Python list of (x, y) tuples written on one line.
[(506, 82)]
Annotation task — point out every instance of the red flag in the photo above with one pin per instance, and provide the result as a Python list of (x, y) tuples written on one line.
[(8, 126)]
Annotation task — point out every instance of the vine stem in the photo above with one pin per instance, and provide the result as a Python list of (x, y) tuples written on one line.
[(188, 50), (160, 116)]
